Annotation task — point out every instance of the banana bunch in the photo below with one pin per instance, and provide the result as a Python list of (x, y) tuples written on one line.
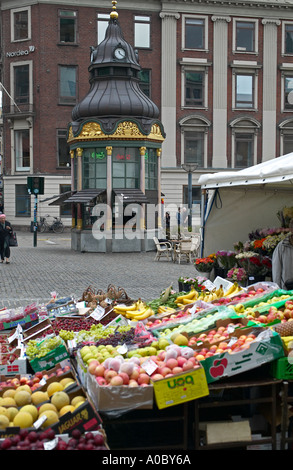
[(135, 312), (188, 298), (165, 309), (234, 289)]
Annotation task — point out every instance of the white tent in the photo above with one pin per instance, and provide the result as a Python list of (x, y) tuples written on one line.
[(235, 203)]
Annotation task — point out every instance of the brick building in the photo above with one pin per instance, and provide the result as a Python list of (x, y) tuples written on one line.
[(221, 75)]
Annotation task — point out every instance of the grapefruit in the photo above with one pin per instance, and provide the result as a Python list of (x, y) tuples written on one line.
[(47, 406), (52, 418), (9, 393), (54, 387), (66, 381), (77, 399), (39, 397), (60, 399), (22, 397), (65, 409), (23, 419), (8, 401), (4, 422), (32, 409)]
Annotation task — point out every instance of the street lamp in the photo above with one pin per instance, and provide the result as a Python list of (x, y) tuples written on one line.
[(189, 168)]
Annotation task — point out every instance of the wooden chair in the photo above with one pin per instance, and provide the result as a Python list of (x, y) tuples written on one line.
[(163, 249)]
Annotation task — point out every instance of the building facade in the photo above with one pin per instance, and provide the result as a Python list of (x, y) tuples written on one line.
[(221, 75)]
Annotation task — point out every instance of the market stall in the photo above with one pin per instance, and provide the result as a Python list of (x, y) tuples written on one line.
[(105, 371), (237, 202)]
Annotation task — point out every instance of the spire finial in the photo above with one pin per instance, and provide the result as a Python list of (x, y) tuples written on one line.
[(114, 14)]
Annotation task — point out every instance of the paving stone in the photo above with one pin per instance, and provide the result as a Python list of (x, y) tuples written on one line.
[(36, 271)]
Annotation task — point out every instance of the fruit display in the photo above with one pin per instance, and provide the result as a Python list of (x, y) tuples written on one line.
[(131, 371), (48, 439), (137, 311), (240, 344), (36, 349), (222, 333)]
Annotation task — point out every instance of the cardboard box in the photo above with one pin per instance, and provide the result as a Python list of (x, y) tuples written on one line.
[(226, 431), (282, 369), (181, 388), (122, 398), (51, 359), (19, 366), (266, 348), (25, 322)]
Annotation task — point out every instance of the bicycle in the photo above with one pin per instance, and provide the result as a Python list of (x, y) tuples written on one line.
[(56, 226)]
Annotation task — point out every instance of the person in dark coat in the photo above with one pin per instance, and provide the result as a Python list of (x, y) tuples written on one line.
[(5, 232)]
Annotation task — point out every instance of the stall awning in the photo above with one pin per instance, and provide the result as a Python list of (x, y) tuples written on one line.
[(85, 196), (131, 196), (61, 199)]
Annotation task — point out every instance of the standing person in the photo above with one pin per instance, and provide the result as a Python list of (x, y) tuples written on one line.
[(282, 261), (5, 231), (178, 221), (167, 225)]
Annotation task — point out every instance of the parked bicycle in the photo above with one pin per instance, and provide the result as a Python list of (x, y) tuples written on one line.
[(56, 226)]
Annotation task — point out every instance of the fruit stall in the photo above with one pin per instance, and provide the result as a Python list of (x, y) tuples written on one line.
[(104, 371)]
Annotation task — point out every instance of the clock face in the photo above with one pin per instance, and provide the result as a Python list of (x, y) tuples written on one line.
[(119, 53)]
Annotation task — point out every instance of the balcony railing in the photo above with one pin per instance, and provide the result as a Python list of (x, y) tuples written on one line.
[(25, 109)]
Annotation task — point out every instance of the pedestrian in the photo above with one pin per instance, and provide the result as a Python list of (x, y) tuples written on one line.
[(167, 225), (282, 261), (5, 232), (178, 222)]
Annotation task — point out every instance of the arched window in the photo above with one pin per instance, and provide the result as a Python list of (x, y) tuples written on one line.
[(194, 141), (244, 142), (286, 136)]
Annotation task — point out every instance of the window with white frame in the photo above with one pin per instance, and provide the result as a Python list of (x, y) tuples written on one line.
[(22, 149), (21, 86), (142, 31), (67, 84), (194, 131), (195, 33), (245, 35), (20, 24), (102, 25), (194, 88), (286, 137), (67, 26), (287, 38), (244, 90), (244, 142), (288, 91)]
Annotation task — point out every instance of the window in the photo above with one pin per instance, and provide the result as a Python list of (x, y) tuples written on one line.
[(194, 33), (288, 38), (20, 24), (67, 26), (21, 84), (194, 141), (196, 199), (22, 149), (151, 169), (194, 147), (245, 36), (288, 92), (94, 168), (102, 25), (286, 136), (65, 209), (63, 158), (244, 91), (142, 29), (194, 88), (244, 150), (244, 142), (22, 201), (145, 81), (67, 84), (287, 144), (125, 167)]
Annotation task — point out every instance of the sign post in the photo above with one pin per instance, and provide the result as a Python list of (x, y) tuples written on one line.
[(35, 185)]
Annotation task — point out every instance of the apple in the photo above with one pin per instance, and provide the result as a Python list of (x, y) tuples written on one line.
[(109, 374), (99, 370), (116, 381), (200, 357), (143, 379), (156, 377), (187, 365), (177, 370)]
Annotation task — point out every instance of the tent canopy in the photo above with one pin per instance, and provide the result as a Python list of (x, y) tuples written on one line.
[(275, 171), (239, 202)]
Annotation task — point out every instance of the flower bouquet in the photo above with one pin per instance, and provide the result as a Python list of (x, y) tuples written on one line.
[(186, 283), (237, 274), (254, 264), (226, 259), (204, 265)]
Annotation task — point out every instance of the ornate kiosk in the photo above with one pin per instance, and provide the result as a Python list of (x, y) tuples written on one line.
[(115, 140)]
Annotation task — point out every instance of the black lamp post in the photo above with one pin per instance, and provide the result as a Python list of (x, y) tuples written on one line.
[(189, 168)]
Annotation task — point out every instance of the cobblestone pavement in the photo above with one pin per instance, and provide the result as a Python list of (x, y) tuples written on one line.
[(36, 271)]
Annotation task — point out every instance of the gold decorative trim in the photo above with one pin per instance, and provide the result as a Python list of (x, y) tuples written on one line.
[(125, 131)]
